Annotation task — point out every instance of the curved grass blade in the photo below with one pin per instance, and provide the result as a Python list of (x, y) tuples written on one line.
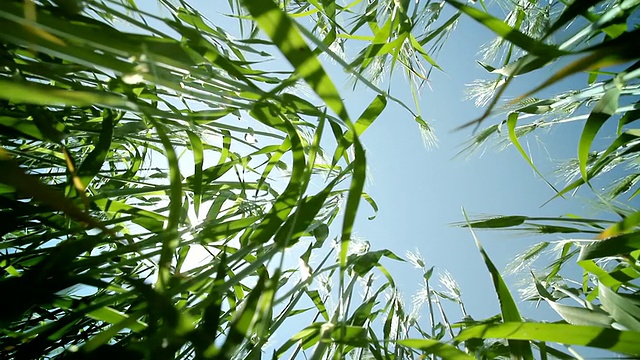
[(171, 242), (273, 161), (198, 161), (289, 198), (434, 347), (614, 52), (372, 203), (508, 307), (496, 222), (604, 159), (92, 164), (604, 108), (369, 115), (615, 279), (571, 314), (29, 185), (617, 245), (622, 227), (508, 33), (244, 320), (40, 94), (512, 120), (315, 297), (569, 14), (284, 33)]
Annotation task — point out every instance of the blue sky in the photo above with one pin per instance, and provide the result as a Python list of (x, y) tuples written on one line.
[(420, 192)]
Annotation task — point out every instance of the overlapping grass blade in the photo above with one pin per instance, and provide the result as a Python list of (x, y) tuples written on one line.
[(435, 347), (508, 307), (507, 32), (624, 342)]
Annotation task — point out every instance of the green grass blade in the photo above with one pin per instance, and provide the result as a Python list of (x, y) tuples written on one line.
[(625, 342), (604, 108), (624, 308), (92, 164), (434, 347), (512, 120), (507, 32), (369, 115), (624, 226), (175, 207), (614, 279), (40, 94), (508, 307), (198, 161), (244, 320), (28, 185), (614, 52), (315, 297), (373, 205), (286, 36), (273, 160), (570, 13), (353, 200), (621, 244), (289, 198)]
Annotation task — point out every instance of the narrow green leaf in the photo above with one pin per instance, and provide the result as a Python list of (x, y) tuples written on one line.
[(442, 350), (604, 108), (285, 35), (497, 222), (570, 13), (373, 204), (617, 245), (574, 315), (40, 94), (171, 242), (512, 120), (364, 263), (290, 197), (244, 320), (614, 279), (314, 295), (273, 160), (113, 316), (198, 161), (624, 226), (609, 53), (507, 32), (625, 342), (353, 200), (369, 115), (508, 307), (624, 308), (581, 316)]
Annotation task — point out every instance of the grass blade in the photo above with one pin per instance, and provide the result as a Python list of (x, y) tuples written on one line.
[(625, 342), (508, 307)]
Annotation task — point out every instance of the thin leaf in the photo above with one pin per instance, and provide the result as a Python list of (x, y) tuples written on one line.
[(508, 307), (625, 342)]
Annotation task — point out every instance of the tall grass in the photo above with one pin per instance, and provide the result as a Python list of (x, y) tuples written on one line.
[(156, 180)]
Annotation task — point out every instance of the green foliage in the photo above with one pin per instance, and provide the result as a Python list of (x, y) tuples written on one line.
[(116, 244)]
